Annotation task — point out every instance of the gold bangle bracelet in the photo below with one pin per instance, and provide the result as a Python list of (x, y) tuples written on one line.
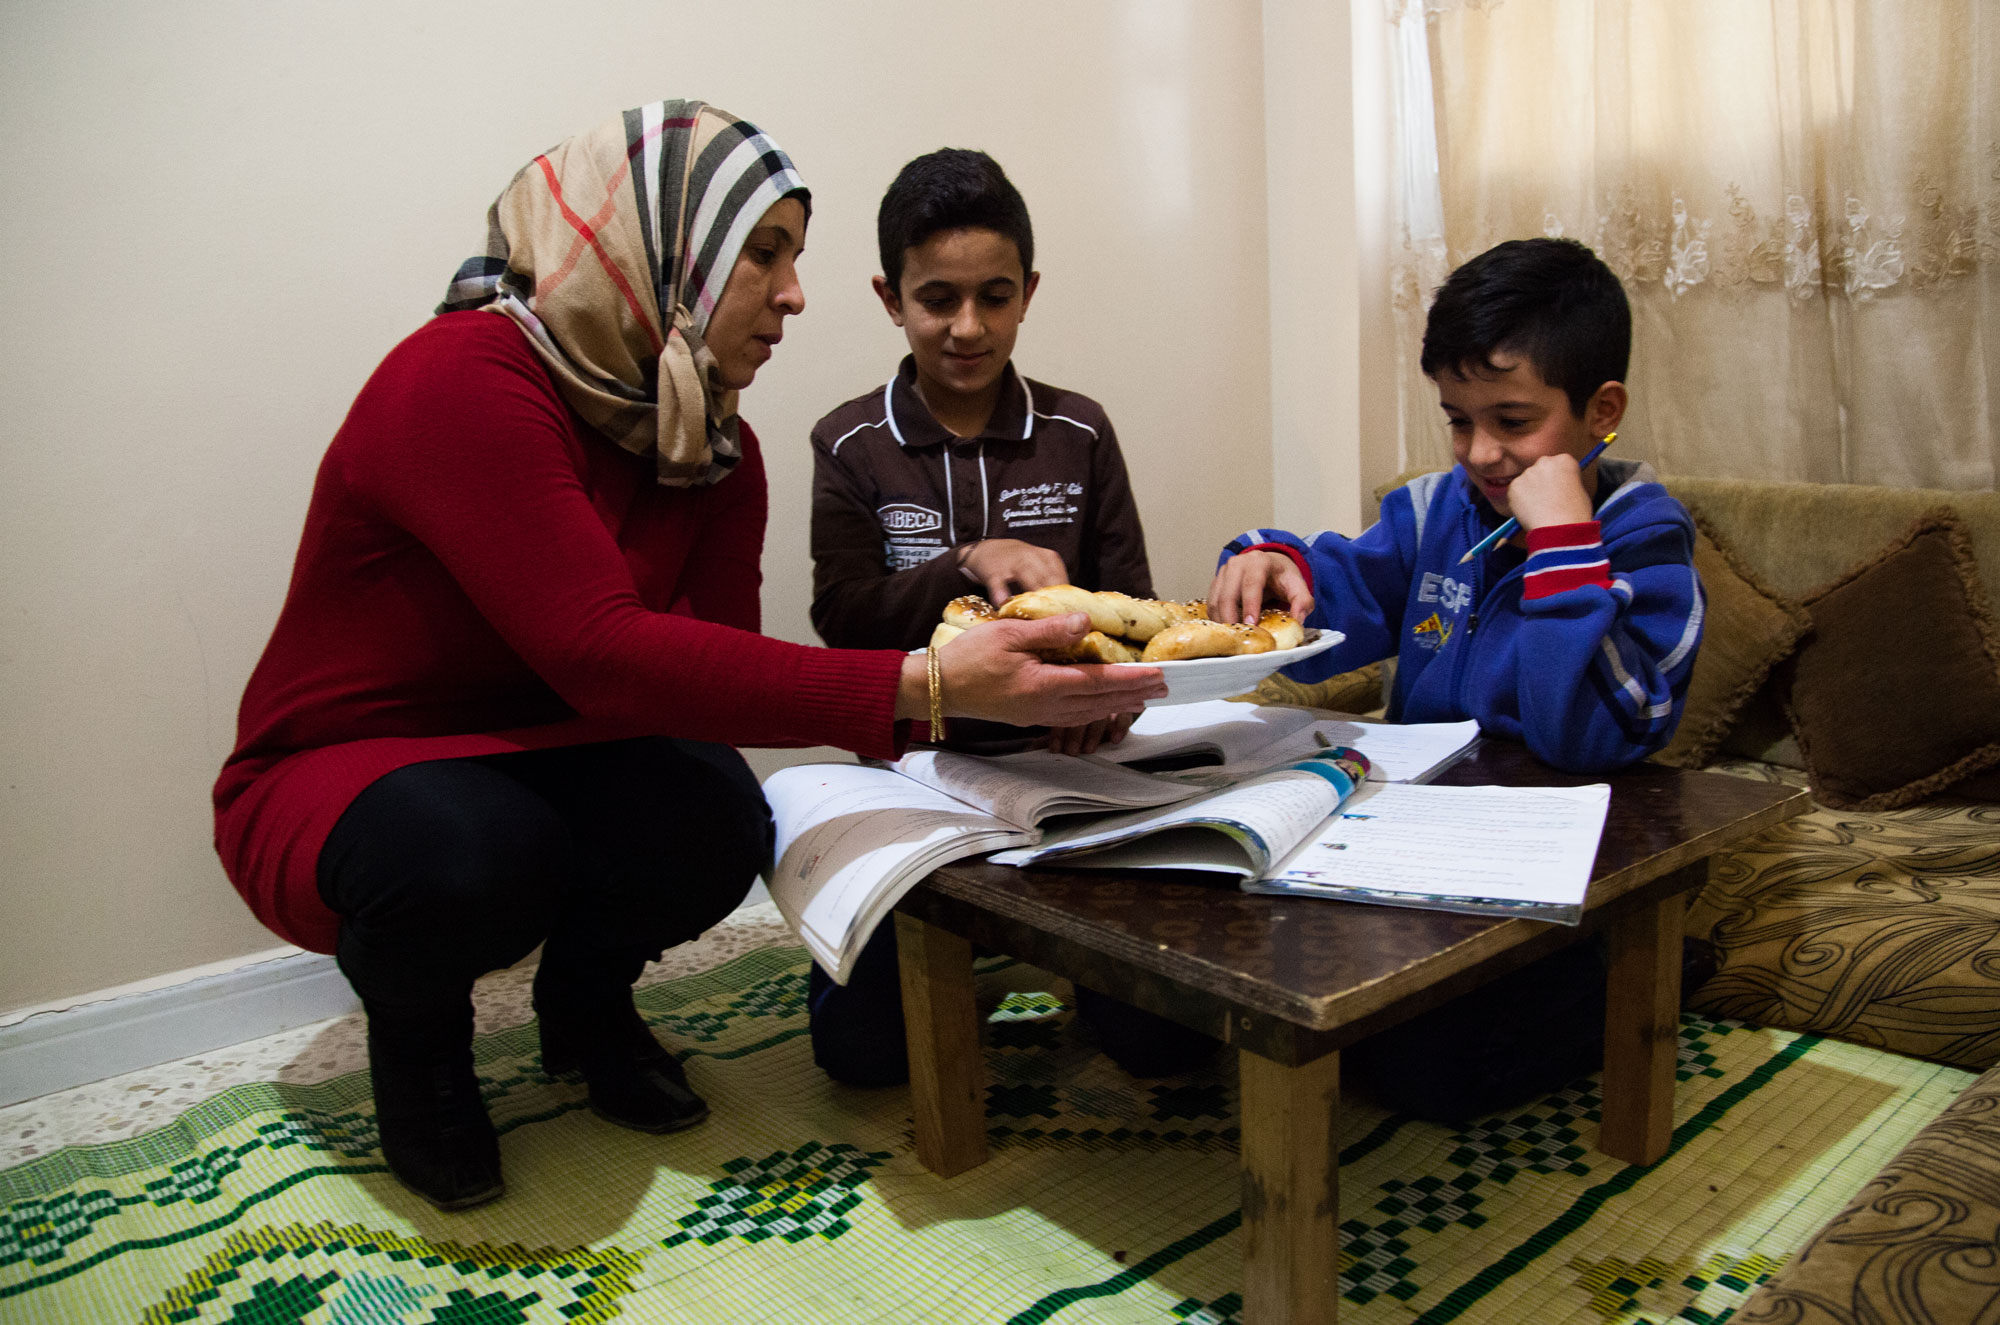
[(937, 693)]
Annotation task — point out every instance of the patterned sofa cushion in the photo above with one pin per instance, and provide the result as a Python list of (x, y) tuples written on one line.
[(1916, 1244), (1881, 927)]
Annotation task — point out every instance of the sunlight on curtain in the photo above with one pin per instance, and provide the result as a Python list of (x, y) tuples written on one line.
[(1802, 197), (1419, 264)]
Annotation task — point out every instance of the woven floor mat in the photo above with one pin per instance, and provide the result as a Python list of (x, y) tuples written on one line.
[(1107, 1199)]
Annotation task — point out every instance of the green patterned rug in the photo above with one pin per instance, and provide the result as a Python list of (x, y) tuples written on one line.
[(1107, 1199)]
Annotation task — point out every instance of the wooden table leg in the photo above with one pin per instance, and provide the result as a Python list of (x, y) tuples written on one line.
[(1642, 1019), (941, 1023), (1291, 1190)]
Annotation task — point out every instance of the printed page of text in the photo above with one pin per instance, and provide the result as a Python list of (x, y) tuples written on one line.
[(1527, 844)]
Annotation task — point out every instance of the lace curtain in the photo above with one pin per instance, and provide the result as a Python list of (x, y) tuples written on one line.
[(1801, 196)]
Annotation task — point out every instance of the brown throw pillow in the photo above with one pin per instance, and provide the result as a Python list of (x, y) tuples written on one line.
[(1896, 694), (1747, 631)]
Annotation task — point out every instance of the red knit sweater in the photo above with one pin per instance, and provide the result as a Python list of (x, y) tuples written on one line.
[(481, 572)]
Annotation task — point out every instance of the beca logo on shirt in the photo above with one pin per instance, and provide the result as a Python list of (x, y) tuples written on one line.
[(908, 518)]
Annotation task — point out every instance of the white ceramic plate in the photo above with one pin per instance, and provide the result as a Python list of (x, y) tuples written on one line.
[(1197, 679)]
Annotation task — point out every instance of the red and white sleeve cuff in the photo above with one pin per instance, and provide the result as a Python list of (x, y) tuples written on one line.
[(1563, 557)]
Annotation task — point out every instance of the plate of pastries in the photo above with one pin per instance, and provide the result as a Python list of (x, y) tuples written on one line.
[(1200, 659)]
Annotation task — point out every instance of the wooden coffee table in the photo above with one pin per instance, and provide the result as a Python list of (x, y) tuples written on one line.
[(1290, 981)]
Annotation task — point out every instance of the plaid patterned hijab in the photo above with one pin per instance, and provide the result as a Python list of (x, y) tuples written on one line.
[(610, 251)]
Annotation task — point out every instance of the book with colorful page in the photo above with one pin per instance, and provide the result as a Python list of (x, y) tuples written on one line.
[(853, 838), (1243, 828)]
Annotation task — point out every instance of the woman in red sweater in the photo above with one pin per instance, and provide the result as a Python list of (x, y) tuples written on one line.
[(521, 638)]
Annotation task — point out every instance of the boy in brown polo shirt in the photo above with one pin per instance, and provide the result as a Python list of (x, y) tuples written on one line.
[(962, 476)]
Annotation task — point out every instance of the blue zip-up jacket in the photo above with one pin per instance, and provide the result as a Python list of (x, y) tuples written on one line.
[(1582, 650)]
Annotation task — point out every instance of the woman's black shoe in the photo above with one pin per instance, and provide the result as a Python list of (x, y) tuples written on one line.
[(649, 1095), (436, 1137), (634, 1080)]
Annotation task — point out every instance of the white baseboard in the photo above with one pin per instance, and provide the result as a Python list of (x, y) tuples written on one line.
[(106, 1034), (62, 1047)]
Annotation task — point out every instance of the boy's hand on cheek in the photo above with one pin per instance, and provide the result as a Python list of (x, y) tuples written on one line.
[(1007, 566), (1549, 492), (1248, 580)]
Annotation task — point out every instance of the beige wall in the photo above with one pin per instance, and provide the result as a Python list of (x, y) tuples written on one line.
[(219, 216)]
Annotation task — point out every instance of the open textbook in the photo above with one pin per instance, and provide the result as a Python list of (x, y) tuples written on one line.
[(1263, 807), (853, 838), (1242, 828)]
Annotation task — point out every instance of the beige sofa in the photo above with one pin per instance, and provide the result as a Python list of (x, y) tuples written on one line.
[(1876, 916), (1851, 648)]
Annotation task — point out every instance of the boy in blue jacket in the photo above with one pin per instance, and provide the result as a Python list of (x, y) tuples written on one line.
[(1576, 635)]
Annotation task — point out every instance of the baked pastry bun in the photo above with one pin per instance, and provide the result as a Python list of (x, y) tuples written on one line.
[(1120, 625), (1094, 647), (1286, 632), (945, 634), (967, 612), (1142, 618), (1062, 599), (1206, 639)]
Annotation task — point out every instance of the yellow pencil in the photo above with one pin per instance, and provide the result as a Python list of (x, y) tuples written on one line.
[(1510, 524)]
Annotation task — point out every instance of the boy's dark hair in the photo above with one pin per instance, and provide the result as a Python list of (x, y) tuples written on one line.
[(1551, 301), (949, 189)]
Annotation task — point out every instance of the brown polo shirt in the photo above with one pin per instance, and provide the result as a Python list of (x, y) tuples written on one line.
[(894, 492)]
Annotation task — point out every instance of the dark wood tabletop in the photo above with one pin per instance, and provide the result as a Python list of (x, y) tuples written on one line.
[(1253, 968)]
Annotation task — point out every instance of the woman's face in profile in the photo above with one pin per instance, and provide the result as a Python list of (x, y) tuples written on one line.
[(762, 291)]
